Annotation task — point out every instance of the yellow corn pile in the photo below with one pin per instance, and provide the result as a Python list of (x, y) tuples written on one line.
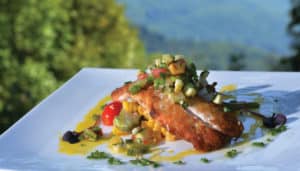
[(132, 107)]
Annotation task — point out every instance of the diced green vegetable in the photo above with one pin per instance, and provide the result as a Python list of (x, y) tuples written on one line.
[(259, 144), (127, 121), (178, 85), (191, 91), (90, 135)]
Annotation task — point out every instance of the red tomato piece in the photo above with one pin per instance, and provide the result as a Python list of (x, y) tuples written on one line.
[(110, 111), (157, 71), (142, 76)]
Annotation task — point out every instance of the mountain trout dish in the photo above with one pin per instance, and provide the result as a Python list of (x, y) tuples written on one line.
[(189, 116), (169, 101)]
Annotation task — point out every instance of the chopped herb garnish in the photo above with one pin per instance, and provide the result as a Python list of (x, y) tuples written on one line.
[(137, 149), (159, 83), (145, 162), (232, 153), (278, 130), (269, 139), (115, 161), (98, 155), (179, 162), (205, 160), (150, 79), (259, 144), (135, 88)]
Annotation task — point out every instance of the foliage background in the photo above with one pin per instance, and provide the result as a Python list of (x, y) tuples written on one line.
[(43, 43)]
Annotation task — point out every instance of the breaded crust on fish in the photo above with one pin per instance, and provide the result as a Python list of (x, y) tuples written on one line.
[(180, 122)]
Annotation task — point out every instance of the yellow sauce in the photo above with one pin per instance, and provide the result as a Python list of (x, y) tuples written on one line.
[(88, 120), (157, 156), (84, 147), (229, 87)]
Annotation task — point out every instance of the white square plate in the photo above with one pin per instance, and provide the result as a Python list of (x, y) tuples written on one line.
[(32, 143)]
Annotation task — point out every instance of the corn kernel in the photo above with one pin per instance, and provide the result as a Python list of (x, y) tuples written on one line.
[(117, 131), (130, 107)]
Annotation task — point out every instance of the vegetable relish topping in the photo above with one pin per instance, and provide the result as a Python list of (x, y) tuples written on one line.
[(175, 77)]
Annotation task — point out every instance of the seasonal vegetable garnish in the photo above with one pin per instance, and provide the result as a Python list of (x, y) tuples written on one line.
[(179, 162), (170, 101), (259, 144), (100, 155), (205, 160), (145, 162), (232, 153)]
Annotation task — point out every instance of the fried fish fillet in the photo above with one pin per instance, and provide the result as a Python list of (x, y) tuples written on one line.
[(207, 132)]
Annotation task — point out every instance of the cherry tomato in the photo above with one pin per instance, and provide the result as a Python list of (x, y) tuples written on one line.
[(157, 71), (110, 111), (142, 76)]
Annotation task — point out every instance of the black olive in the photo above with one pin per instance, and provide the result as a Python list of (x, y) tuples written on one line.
[(71, 137), (274, 120), (280, 119), (269, 122)]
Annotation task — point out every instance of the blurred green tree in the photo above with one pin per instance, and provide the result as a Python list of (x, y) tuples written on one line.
[(236, 62), (43, 43), (293, 62)]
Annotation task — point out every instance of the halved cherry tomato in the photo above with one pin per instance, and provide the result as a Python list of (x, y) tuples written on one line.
[(157, 71), (142, 76), (110, 111)]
